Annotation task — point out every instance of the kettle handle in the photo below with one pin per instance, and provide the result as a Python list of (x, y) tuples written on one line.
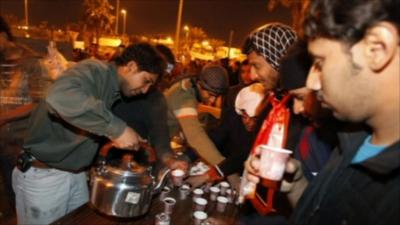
[(150, 150)]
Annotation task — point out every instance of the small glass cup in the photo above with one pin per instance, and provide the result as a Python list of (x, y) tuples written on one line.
[(199, 217), (197, 193), (177, 177), (162, 219), (214, 191), (222, 202), (169, 204), (200, 204), (164, 192), (184, 191), (224, 186)]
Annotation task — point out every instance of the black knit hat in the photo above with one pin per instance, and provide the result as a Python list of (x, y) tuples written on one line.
[(214, 78), (294, 67)]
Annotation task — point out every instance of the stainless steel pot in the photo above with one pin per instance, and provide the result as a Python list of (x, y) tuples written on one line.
[(125, 190)]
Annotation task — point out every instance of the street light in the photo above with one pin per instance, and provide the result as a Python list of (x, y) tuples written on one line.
[(186, 29), (123, 12)]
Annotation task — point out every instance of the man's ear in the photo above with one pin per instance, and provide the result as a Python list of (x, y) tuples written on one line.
[(132, 66), (382, 42)]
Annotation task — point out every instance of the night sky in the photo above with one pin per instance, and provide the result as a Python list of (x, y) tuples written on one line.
[(216, 17)]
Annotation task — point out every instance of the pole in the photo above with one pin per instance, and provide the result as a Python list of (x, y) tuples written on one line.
[(230, 43), (117, 18), (123, 21), (26, 14), (178, 26)]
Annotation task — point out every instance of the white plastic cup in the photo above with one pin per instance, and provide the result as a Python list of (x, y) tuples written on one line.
[(221, 203), (200, 204), (169, 204), (273, 162), (214, 191), (177, 177), (199, 217)]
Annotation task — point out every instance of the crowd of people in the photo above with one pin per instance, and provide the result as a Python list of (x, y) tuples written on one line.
[(333, 88)]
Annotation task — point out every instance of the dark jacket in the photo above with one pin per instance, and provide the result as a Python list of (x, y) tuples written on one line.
[(345, 193), (234, 141), (147, 114)]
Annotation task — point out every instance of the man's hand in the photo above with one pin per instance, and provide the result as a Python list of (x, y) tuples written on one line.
[(198, 180), (252, 166), (234, 180), (293, 172), (129, 139), (178, 164)]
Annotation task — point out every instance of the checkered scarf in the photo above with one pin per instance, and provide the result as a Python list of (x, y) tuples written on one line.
[(272, 41)]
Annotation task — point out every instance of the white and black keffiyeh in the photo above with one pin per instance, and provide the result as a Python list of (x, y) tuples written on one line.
[(272, 41)]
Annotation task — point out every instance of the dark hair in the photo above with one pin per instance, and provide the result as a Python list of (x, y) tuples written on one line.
[(166, 53), (249, 46), (295, 66), (146, 57), (245, 62), (6, 29), (347, 20)]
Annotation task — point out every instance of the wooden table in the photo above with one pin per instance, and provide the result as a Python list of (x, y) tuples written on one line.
[(182, 214)]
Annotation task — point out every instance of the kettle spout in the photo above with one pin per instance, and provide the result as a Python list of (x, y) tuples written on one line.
[(161, 182)]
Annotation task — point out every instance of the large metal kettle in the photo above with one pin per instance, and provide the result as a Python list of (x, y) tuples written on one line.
[(124, 190)]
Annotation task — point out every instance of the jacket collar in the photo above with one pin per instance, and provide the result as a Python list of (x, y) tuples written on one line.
[(384, 163)]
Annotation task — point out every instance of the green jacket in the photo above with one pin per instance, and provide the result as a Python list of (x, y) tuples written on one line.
[(183, 115), (63, 129)]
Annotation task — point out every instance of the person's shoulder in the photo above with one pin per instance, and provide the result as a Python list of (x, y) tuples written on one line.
[(180, 95)]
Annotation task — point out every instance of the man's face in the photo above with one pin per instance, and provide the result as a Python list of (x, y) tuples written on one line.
[(339, 76), (248, 122), (208, 97), (134, 82), (305, 103), (299, 97), (245, 74), (267, 75)]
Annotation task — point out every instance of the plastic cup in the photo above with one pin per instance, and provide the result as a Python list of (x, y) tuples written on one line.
[(273, 162), (221, 203), (200, 204), (177, 177), (169, 204), (199, 217)]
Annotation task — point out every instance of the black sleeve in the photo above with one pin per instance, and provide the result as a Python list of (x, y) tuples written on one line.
[(157, 123)]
